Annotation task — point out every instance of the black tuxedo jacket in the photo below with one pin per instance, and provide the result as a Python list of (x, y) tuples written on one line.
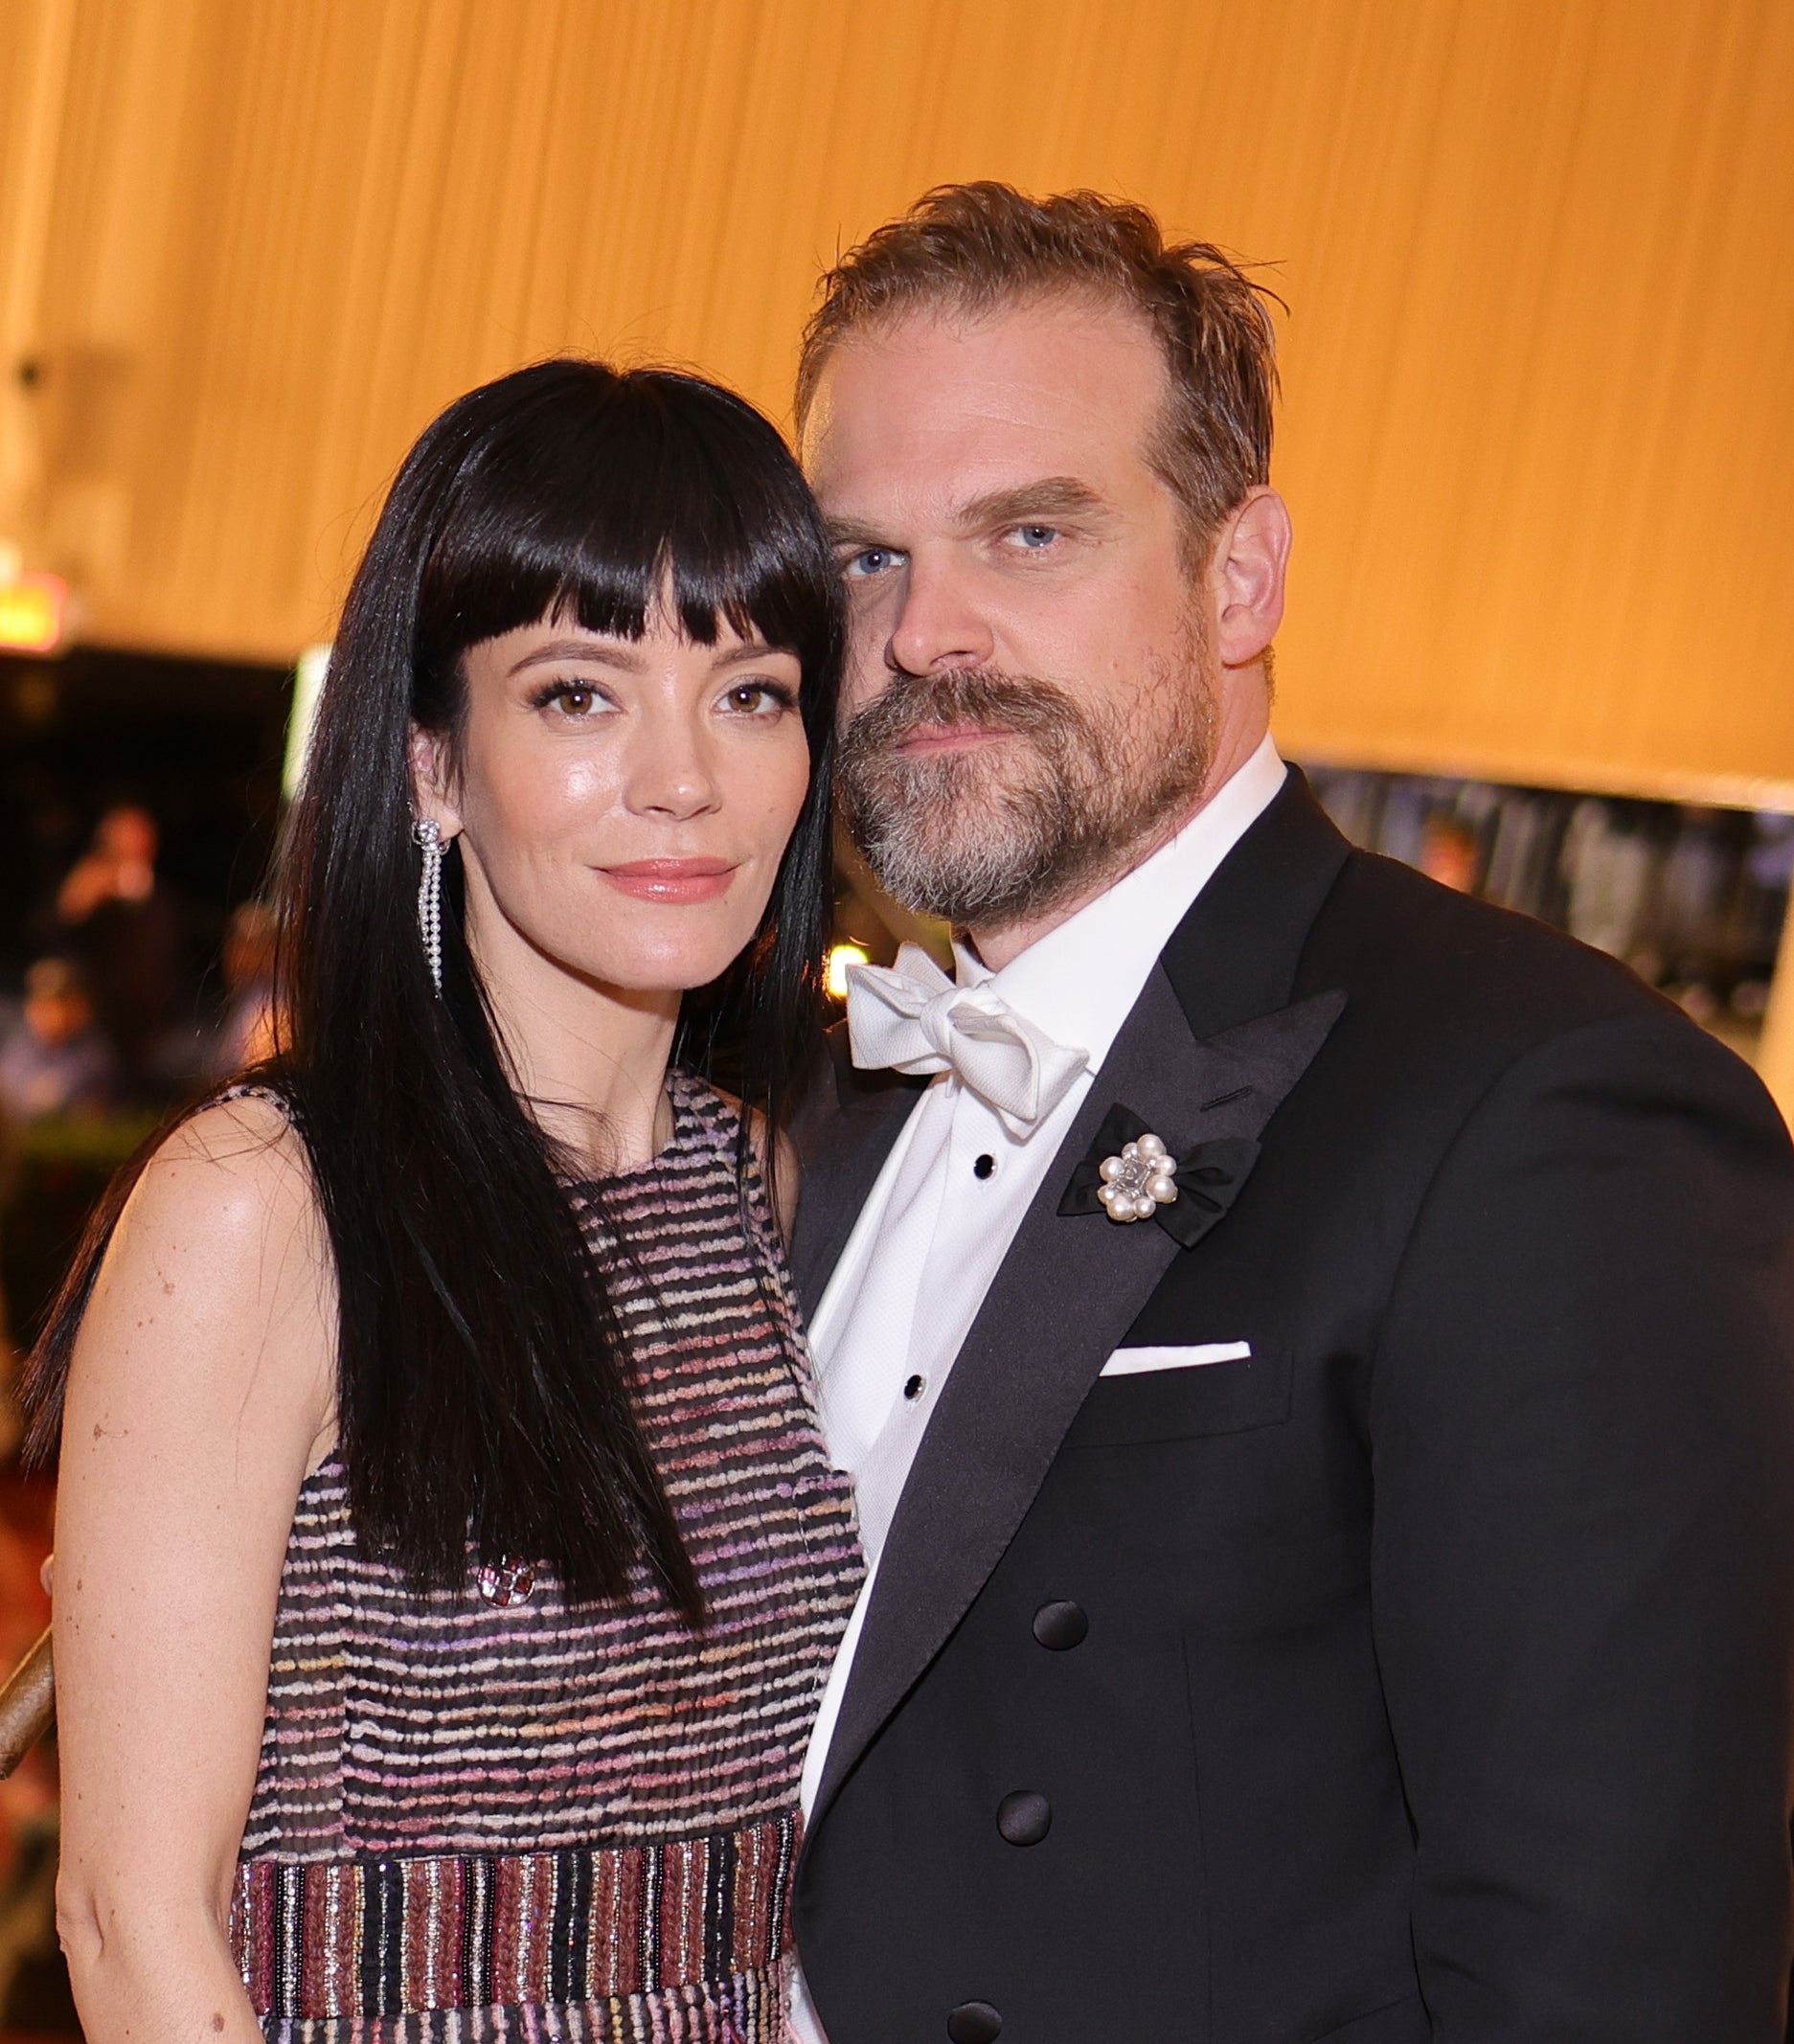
[(1423, 1675)]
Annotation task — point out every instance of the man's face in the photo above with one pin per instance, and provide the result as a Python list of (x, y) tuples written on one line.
[(1029, 706)]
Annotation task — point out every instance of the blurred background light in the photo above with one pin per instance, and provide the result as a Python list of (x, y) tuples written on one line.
[(32, 610), (842, 958), (308, 672)]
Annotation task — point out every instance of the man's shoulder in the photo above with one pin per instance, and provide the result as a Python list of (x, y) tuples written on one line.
[(833, 1084), (1445, 981)]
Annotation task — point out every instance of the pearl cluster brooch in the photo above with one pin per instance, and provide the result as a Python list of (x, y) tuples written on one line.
[(1138, 1182)]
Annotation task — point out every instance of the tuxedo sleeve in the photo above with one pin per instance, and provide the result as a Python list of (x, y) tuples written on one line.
[(1583, 1430)]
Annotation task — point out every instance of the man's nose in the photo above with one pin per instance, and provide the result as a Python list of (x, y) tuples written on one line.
[(940, 625)]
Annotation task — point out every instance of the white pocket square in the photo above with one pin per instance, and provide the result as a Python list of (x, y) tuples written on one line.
[(1133, 1362)]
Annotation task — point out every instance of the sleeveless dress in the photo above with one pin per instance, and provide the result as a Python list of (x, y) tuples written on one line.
[(487, 1814)]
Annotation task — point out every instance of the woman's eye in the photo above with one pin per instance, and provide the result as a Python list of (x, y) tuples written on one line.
[(571, 698), (870, 561), (757, 698)]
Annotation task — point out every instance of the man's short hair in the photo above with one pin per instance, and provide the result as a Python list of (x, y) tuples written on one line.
[(972, 247)]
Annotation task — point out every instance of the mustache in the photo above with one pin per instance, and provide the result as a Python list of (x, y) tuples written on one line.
[(981, 697)]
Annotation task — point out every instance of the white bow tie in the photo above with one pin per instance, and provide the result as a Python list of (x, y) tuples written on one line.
[(911, 1017)]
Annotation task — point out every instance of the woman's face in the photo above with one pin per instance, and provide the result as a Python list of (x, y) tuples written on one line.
[(621, 805)]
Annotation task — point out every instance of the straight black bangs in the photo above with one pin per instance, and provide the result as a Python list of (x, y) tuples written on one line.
[(584, 491)]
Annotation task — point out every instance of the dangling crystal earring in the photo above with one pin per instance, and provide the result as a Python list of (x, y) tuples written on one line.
[(428, 836)]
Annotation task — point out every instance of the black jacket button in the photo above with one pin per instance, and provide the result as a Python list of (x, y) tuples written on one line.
[(1060, 1626), (975, 2023), (1025, 1818)]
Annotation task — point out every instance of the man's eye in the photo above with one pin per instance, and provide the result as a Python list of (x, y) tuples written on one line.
[(1033, 538), (870, 561)]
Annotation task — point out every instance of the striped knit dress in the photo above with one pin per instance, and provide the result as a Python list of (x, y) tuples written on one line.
[(487, 1814)]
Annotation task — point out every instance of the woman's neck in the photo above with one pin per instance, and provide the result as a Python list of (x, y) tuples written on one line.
[(590, 1061)]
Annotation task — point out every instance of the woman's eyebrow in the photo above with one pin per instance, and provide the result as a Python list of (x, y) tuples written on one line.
[(607, 652), (743, 650), (622, 654)]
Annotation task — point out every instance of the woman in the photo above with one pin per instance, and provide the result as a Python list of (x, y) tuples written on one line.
[(447, 1559)]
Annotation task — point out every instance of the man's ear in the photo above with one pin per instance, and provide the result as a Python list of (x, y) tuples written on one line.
[(432, 783), (1247, 575)]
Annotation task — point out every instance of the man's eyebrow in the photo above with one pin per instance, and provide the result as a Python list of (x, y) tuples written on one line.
[(1054, 496), (850, 532)]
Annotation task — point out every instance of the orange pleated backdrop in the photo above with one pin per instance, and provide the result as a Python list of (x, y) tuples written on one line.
[(1538, 431)]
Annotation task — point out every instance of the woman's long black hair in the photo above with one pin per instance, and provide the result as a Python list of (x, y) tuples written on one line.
[(482, 1389)]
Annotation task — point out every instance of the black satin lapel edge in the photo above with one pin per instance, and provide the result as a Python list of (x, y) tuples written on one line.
[(1235, 956)]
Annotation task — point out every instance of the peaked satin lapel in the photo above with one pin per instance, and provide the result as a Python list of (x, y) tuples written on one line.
[(850, 1140), (1072, 1285), (1235, 954)]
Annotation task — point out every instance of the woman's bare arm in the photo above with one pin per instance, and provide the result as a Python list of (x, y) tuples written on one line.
[(200, 1395)]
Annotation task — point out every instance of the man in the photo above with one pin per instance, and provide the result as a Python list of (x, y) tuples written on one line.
[(1332, 1568)]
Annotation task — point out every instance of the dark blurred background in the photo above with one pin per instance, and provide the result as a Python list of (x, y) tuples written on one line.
[(139, 797)]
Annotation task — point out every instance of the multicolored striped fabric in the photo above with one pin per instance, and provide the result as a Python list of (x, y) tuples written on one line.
[(478, 1819), (392, 1936)]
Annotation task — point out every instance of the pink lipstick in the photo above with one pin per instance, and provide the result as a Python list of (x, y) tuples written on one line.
[(673, 881)]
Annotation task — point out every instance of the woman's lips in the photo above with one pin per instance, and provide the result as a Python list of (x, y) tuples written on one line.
[(671, 881)]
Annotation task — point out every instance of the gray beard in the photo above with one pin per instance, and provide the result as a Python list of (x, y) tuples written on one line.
[(989, 841)]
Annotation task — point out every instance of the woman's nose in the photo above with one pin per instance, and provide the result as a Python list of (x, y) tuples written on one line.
[(671, 773)]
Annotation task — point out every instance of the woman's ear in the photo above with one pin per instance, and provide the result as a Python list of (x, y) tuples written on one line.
[(432, 783)]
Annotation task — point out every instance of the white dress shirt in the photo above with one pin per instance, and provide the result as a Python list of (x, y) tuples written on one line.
[(947, 1204)]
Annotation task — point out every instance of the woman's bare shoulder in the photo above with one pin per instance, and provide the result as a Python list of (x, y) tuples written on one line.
[(237, 1169), (247, 1123), (220, 1262)]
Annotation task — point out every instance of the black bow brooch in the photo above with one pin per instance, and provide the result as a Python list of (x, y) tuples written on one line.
[(1126, 1167)]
